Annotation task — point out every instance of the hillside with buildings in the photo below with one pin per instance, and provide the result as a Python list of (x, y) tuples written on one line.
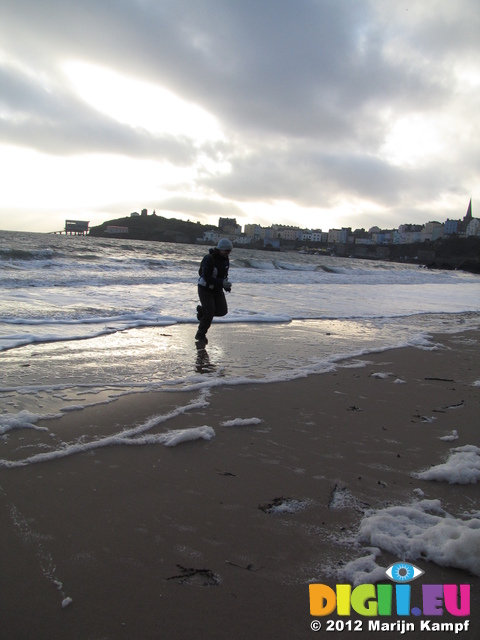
[(142, 226), (450, 244)]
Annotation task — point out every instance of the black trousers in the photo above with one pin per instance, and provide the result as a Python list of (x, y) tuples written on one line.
[(213, 304)]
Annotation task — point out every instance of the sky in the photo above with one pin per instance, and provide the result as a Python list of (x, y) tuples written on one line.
[(314, 113)]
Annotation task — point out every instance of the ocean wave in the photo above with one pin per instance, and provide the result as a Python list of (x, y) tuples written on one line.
[(25, 255), (291, 266), (68, 288)]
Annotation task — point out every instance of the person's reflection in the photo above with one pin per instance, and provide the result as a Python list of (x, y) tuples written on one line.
[(203, 364)]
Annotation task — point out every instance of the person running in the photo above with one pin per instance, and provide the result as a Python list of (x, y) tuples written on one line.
[(212, 283)]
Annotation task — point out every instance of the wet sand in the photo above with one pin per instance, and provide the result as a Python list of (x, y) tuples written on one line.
[(147, 542)]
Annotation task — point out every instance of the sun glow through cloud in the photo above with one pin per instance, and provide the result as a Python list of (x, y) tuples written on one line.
[(323, 115), (140, 104), (412, 139), (83, 185)]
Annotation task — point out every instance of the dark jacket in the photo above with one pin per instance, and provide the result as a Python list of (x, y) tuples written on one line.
[(213, 271)]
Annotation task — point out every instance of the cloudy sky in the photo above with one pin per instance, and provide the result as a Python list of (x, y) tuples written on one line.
[(317, 113)]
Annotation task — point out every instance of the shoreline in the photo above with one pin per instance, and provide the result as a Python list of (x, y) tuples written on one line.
[(225, 534), (143, 358)]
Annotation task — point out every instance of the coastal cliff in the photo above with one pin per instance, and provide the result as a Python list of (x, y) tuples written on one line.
[(450, 253)]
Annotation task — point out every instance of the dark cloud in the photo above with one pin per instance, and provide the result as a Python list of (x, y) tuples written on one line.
[(277, 66), (314, 179), (306, 91)]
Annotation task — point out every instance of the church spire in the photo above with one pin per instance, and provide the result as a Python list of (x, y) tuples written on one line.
[(469, 217)]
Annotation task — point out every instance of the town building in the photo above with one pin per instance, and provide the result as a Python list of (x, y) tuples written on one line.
[(339, 236), (473, 228), (432, 231), (114, 230), (229, 226), (277, 234)]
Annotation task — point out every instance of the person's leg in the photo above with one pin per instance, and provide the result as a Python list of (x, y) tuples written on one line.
[(221, 308), (207, 300)]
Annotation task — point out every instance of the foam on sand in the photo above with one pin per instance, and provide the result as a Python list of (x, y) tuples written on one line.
[(23, 420), (462, 467), (450, 437), (421, 530), (138, 435), (177, 436), (241, 422)]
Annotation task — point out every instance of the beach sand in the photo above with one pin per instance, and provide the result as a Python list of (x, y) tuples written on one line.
[(147, 542)]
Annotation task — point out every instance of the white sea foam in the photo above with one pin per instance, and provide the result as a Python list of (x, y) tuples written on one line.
[(461, 467), (364, 569), (103, 317), (23, 420), (419, 492), (342, 498), (71, 290), (137, 435), (450, 437), (285, 506), (172, 438), (241, 422), (419, 530)]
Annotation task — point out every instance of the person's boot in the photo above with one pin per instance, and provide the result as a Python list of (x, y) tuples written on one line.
[(201, 337)]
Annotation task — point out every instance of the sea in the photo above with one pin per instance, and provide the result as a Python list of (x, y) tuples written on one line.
[(85, 321), (122, 313)]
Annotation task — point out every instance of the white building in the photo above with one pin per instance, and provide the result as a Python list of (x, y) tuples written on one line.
[(253, 231), (312, 236), (408, 234), (116, 231), (473, 227), (338, 236), (289, 233), (214, 235), (432, 231)]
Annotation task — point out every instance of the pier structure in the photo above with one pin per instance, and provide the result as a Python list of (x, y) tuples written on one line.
[(75, 228)]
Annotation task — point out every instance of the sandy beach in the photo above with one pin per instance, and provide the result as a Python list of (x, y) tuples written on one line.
[(220, 537)]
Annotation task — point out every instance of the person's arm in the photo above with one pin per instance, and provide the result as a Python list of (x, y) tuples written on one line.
[(209, 273)]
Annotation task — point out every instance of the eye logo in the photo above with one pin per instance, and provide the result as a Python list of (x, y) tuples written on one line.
[(403, 572)]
